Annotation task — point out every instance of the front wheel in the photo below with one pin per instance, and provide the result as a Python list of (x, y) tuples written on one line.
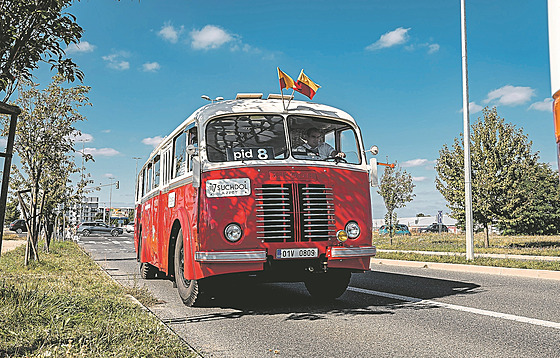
[(329, 285), (86, 232), (148, 271), (188, 289), (19, 231)]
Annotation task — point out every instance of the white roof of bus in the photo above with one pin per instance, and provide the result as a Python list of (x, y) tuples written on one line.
[(256, 106)]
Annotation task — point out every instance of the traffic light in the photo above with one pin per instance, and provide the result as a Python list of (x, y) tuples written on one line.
[(117, 185)]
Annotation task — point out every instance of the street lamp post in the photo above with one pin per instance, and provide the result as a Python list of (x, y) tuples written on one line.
[(466, 138)]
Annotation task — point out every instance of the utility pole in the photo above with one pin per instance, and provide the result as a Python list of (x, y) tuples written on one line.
[(467, 139)]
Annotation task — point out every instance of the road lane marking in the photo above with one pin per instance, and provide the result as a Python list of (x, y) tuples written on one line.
[(415, 300)]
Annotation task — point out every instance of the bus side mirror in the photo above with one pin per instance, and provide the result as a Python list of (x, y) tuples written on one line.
[(373, 172), (374, 150), (192, 150)]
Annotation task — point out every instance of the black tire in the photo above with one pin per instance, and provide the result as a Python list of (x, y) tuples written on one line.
[(329, 285), (148, 271), (188, 289), (115, 232), (19, 231), (86, 232)]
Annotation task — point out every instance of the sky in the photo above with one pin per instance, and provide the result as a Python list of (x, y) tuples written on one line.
[(395, 66)]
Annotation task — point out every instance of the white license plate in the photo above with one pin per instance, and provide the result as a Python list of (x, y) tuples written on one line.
[(297, 253)]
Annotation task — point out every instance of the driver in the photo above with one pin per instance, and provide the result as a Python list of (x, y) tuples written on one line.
[(315, 150)]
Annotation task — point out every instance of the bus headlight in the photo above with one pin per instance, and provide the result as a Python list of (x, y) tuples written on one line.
[(233, 232), (341, 235), (353, 229)]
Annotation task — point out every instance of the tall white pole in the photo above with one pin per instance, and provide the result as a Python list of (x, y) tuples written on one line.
[(466, 139)]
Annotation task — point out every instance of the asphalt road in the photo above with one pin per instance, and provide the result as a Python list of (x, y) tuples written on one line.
[(391, 312)]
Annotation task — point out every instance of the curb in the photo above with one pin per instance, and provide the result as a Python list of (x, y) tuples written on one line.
[(502, 271)]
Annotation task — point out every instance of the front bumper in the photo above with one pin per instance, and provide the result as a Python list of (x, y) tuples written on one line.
[(335, 252)]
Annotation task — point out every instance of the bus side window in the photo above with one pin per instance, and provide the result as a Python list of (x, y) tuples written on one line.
[(192, 139), (155, 184), (180, 152), (140, 186), (149, 177)]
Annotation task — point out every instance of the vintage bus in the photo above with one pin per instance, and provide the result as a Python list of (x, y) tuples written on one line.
[(238, 189)]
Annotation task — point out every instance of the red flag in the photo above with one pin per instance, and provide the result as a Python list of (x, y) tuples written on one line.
[(305, 86)]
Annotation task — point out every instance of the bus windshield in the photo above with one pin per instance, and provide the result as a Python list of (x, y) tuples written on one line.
[(255, 137), (323, 139)]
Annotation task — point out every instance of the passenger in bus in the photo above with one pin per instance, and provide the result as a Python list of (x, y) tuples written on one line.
[(314, 148)]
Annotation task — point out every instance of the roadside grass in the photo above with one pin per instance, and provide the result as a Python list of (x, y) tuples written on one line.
[(65, 305), (481, 261), (455, 243)]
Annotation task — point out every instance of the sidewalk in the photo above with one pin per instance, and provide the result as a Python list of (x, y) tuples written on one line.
[(503, 271), (8, 245)]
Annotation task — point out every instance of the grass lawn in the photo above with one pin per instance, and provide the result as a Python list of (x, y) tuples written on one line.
[(65, 305), (447, 242)]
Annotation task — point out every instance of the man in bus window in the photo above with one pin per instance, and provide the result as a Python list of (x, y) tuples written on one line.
[(314, 148)]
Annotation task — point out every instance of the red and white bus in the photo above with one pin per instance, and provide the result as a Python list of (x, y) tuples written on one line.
[(237, 188)]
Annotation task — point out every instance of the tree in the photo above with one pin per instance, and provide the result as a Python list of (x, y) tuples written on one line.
[(396, 189), (504, 170), (33, 31), (12, 211), (45, 146)]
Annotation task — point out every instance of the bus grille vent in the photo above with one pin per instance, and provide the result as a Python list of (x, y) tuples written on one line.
[(280, 218)]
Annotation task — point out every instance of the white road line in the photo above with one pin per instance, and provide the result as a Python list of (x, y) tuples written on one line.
[(415, 300)]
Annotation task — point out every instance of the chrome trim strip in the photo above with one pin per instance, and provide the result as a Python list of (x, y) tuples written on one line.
[(230, 256), (337, 252)]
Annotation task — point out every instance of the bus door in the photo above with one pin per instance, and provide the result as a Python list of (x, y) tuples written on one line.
[(154, 213)]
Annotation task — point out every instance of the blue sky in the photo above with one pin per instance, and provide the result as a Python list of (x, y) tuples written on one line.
[(395, 66)]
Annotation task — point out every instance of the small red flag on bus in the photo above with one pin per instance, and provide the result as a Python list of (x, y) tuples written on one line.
[(305, 86), (285, 80)]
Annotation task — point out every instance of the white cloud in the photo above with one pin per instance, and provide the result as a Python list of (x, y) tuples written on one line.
[(82, 47), (3, 142), (419, 179), (101, 152), (108, 175), (153, 141), (169, 33), (545, 105), (433, 48), (510, 95), (474, 108), (150, 67), (209, 37), (416, 163), (117, 61), (77, 136), (392, 38), (106, 131)]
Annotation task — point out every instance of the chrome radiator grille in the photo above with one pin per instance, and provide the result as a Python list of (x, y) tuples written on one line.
[(294, 212)]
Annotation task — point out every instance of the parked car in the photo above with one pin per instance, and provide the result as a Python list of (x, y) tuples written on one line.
[(434, 228), (129, 227), (98, 227), (18, 226), (400, 229)]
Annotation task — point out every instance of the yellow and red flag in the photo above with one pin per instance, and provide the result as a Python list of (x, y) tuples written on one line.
[(285, 80), (305, 86)]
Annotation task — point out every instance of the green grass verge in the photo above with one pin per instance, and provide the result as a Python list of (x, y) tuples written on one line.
[(65, 305), (447, 242)]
